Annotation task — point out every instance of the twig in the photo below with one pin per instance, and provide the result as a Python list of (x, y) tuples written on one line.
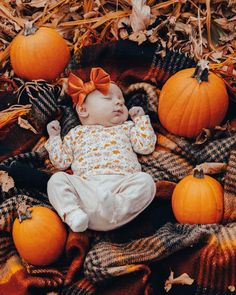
[(200, 31)]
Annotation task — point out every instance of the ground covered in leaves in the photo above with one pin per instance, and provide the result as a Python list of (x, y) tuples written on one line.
[(202, 29)]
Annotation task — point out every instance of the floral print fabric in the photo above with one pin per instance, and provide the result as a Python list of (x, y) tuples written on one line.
[(96, 150)]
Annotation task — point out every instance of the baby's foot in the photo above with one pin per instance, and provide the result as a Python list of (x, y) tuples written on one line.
[(77, 220)]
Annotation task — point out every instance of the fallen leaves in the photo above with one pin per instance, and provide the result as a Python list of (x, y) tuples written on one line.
[(33, 3), (231, 288), (13, 113), (141, 15), (23, 123), (173, 23), (201, 29), (6, 181), (212, 168), (183, 279)]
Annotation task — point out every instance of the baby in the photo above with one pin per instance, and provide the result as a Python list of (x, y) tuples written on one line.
[(107, 188)]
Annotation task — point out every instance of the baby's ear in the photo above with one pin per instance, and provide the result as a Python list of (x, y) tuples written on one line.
[(82, 111)]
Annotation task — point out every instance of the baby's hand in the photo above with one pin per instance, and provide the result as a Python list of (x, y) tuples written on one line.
[(53, 128), (136, 112)]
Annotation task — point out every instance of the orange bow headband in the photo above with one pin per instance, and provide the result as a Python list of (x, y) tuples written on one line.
[(78, 90)]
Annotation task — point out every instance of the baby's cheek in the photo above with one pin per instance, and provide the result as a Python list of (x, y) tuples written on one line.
[(126, 114)]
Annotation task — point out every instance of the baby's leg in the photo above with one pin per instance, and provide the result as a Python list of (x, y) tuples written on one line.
[(134, 194), (129, 197), (65, 199)]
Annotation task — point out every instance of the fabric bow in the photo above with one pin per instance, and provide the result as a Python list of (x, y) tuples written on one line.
[(78, 90)]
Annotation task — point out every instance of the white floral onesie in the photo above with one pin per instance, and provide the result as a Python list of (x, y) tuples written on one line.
[(108, 185)]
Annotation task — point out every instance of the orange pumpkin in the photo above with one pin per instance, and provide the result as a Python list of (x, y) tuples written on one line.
[(198, 199), (192, 99), (39, 54), (39, 235)]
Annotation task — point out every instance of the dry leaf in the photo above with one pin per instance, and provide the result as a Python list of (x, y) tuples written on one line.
[(141, 15), (6, 181), (152, 36), (184, 28), (177, 26), (218, 131), (26, 125), (216, 56), (231, 288), (212, 168), (139, 37), (90, 14), (32, 3), (183, 279)]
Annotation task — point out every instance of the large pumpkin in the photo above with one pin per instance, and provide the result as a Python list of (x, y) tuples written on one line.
[(192, 99), (39, 235), (198, 199), (39, 54)]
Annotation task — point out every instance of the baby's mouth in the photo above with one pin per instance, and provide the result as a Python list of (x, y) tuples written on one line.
[(119, 111)]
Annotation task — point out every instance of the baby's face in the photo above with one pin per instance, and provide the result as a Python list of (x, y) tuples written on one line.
[(107, 110)]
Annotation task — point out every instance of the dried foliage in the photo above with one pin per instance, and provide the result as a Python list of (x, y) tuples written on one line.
[(6, 181), (183, 279), (203, 28), (12, 113)]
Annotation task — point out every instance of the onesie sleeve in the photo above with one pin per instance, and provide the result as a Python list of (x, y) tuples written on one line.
[(142, 135), (60, 151)]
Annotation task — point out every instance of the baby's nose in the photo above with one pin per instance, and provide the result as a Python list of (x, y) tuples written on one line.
[(119, 102)]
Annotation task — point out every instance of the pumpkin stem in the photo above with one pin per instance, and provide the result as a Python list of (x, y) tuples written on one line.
[(29, 28), (201, 71), (198, 173), (23, 212)]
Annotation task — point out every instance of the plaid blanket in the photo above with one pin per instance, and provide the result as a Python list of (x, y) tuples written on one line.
[(136, 258)]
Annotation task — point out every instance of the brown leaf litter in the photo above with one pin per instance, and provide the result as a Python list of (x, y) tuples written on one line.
[(203, 29), (6, 181)]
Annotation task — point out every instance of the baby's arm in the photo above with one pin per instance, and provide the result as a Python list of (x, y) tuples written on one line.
[(60, 152), (142, 135)]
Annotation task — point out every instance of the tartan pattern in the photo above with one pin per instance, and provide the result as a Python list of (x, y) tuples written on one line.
[(107, 260), (68, 120), (8, 209), (82, 287), (217, 255), (216, 150), (7, 248), (142, 94), (164, 165), (164, 67), (43, 98), (24, 193), (30, 157), (229, 190), (131, 260), (215, 259), (129, 63)]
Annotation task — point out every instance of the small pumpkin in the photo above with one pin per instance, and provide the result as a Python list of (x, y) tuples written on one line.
[(39, 235), (39, 53), (192, 99), (198, 199)]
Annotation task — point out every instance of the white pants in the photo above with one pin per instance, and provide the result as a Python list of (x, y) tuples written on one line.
[(100, 202)]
